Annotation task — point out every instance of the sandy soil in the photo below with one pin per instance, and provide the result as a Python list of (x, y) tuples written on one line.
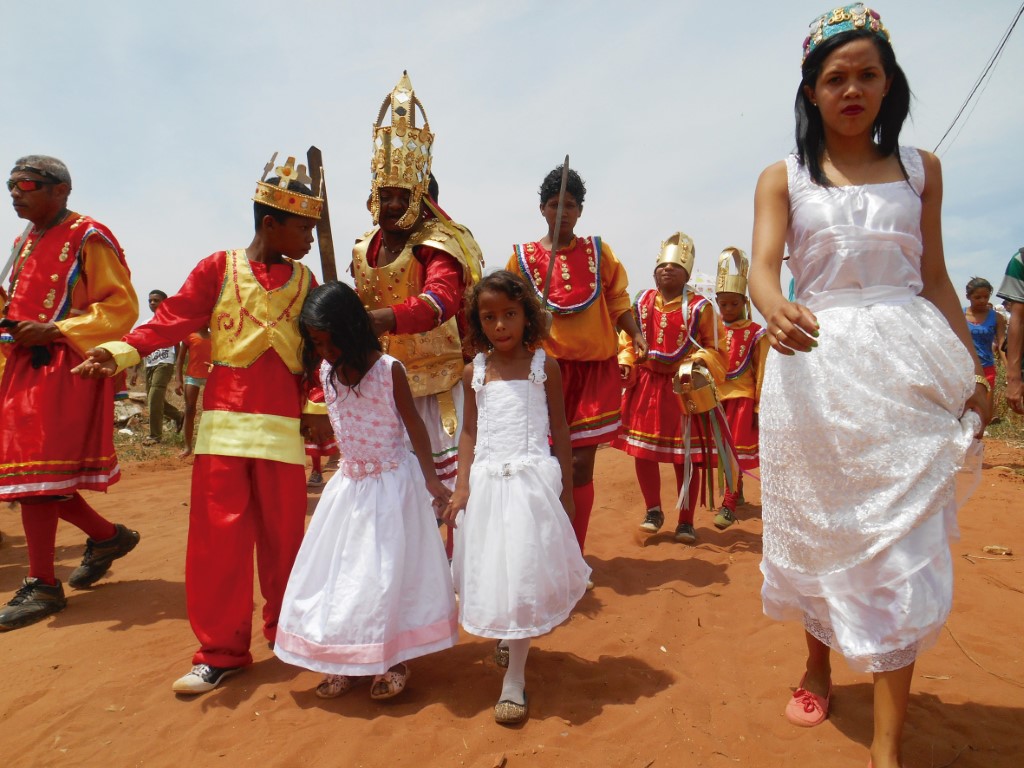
[(668, 662)]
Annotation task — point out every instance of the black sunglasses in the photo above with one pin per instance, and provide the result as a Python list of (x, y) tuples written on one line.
[(28, 185)]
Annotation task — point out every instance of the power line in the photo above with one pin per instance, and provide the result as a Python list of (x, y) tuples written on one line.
[(984, 74)]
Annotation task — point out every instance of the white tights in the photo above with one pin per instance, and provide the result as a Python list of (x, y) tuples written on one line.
[(512, 688)]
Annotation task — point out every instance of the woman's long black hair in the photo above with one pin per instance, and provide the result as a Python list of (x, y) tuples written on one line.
[(335, 308), (810, 132)]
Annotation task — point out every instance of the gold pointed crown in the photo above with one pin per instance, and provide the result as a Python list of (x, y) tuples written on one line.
[(678, 249), (401, 151), (279, 196), (728, 281)]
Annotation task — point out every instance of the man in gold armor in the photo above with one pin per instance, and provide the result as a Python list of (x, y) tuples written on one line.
[(412, 270)]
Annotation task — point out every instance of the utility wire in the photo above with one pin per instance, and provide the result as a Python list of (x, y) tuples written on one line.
[(981, 78)]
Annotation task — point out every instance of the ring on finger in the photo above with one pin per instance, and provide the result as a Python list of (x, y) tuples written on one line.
[(780, 335)]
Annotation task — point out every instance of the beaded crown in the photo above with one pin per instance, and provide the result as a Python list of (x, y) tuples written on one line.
[(678, 249), (845, 19), (401, 151), (728, 281), (279, 196)]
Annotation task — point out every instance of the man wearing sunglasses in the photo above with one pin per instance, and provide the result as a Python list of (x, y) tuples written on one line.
[(69, 290)]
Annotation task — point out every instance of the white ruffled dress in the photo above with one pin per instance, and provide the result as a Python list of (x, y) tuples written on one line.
[(862, 438), (371, 586), (517, 566)]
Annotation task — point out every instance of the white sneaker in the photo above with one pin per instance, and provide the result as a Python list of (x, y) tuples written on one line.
[(202, 678)]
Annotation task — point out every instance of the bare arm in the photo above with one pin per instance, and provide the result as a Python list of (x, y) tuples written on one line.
[(418, 436), (937, 286), (467, 449), (791, 327), (997, 343), (561, 446), (1014, 353)]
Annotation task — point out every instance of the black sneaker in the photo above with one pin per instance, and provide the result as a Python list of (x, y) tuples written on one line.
[(100, 554), (33, 602), (685, 533), (653, 521), (202, 678), (724, 518)]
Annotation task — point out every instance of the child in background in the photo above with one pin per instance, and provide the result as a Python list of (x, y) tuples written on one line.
[(987, 327), (198, 350), (371, 587), (863, 420), (317, 452), (517, 565), (677, 324), (745, 349)]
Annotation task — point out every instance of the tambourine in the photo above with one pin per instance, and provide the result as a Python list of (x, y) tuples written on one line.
[(695, 388)]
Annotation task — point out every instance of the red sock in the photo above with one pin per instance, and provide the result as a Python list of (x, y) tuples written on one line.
[(686, 515), (78, 512), (40, 524), (316, 465), (583, 499), (648, 474)]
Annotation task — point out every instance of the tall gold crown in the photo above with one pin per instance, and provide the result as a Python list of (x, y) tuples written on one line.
[(401, 151), (279, 196), (678, 249), (728, 281)]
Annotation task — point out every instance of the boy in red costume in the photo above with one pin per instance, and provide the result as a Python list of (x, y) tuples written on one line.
[(746, 348), (70, 288), (679, 325), (248, 480)]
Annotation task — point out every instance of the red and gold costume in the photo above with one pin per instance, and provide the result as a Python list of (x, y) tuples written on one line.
[(425, 284), (651, 413), (588, 295), (248, 480), (746, 347), (56, 429)]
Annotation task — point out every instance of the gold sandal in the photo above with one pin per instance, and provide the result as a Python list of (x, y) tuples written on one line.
[(501, 655), (507, 712)]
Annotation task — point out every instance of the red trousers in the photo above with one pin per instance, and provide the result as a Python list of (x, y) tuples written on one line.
[(239, 504)]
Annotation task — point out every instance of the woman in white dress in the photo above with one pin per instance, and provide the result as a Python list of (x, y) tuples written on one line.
[(863, 431)]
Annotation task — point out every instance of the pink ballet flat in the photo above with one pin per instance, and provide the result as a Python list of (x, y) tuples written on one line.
[(807, 709)]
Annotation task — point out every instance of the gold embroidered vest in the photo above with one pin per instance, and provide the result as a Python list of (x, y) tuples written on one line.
[(248, 319), (432, 359)]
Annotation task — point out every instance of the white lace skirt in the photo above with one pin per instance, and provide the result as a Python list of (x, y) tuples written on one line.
[(861, 442), (371, 584), (517, 566)]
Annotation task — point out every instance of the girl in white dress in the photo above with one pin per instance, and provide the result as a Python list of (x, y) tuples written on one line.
[(517, 566), (371, 586), (862, 433)]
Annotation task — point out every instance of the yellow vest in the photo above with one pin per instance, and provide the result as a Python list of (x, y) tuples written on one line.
[(248, 319), (432, 359)]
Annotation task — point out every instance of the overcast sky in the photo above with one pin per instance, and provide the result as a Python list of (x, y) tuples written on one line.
[(166, 113)]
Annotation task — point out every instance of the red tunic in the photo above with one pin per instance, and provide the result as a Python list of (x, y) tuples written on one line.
[(56, 429)]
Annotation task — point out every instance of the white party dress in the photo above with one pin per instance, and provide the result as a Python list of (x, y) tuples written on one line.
[(517, 566), (371, 584), (862, 437)]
